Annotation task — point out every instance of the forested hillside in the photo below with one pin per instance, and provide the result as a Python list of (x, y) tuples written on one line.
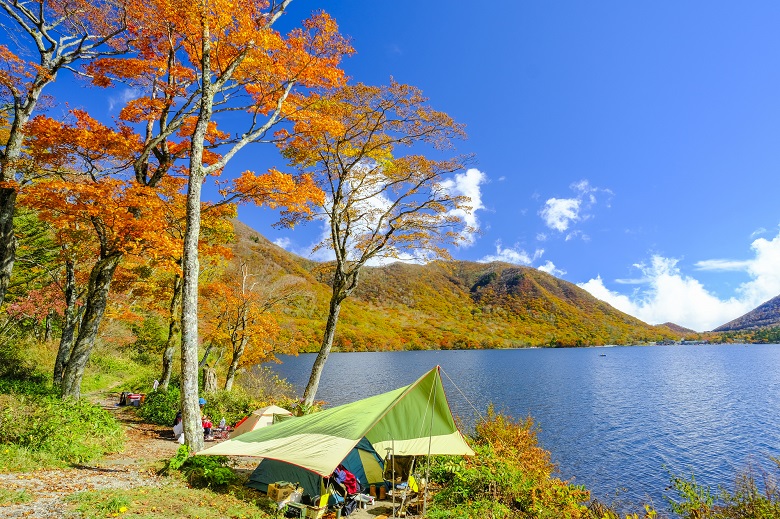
[(448, 305), (764, 316)]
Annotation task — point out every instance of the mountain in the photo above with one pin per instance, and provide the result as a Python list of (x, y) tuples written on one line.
[(676, 328), (447, 305), (764, 316)]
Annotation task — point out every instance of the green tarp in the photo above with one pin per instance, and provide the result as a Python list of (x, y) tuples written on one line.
[(410, 421)]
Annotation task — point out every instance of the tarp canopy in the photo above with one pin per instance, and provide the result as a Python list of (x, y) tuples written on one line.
[(410, 421), (259, 418)]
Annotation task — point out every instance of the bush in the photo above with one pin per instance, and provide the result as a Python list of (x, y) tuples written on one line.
[(73, 432), (230, 405), (510, 476), (15, 367), (748, 500), (265, 385), (201, 471), (160, 407)]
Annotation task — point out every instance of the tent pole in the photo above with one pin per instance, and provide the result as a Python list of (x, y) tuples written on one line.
[(428, 463), (392, 469)]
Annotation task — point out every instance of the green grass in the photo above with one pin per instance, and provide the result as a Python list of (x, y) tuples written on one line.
[(172, 500), (13, 497)]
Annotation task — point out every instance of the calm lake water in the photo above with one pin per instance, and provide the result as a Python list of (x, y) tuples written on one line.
[(614, 423)]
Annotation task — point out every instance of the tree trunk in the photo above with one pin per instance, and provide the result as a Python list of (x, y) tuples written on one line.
[(237, 353), (193, 430), (209, 379), (23, 110), (205, 358), (7, 238), (69, 326), (95, 306), (47, 326), (327, 343), (174, 329)]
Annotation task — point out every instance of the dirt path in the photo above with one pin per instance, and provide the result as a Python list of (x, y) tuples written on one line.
[(134, 467)]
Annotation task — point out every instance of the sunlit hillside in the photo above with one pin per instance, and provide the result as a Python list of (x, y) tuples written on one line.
[(445, 305)]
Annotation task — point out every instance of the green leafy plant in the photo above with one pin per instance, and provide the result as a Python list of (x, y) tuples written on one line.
[(208, 471), (178, 459), (693, 501), (160, 407), (73, 432), (105, 503)]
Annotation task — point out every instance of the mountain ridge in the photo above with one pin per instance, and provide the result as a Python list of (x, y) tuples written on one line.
[(447, 305), (766, 315)]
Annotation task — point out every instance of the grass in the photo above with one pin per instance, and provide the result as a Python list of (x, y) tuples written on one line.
[(16, 458), (13, 497), (172, 500)]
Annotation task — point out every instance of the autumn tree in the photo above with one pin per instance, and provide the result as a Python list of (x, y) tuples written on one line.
[(217, 233), (92, 207), (59, 33), (220, 60), (379, 203), (239, 317)]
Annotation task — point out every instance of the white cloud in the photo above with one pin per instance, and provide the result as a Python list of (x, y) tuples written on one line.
[(467, 184), (125, 95), (551, 269), (283, 242), (671, 296), (559, 213), (722, 265), (757, 232), (514, 255)]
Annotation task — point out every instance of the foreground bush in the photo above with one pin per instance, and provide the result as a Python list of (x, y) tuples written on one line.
[(755, 496), (160, 407), (57, 430), (509, 477)]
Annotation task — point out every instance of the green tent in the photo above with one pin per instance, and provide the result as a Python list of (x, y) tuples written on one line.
[(362, 461), (411, 421)]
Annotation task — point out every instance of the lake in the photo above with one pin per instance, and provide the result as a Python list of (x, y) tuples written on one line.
[(616, 419)]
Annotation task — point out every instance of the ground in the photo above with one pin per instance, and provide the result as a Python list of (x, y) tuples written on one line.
[(136, 466)]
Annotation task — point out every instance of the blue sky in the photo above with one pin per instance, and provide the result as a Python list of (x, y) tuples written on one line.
[(632, 148)]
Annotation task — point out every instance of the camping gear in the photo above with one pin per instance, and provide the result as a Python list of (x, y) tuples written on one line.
[(260, 418), (410, 421)]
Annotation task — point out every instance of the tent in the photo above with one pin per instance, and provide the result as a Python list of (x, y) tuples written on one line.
[(410, 421), (363, 461), (259, 418)]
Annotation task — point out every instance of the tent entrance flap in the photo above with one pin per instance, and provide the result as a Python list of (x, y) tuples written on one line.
[(362, 461)]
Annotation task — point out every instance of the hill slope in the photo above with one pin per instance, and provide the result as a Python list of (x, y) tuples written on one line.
[(454, 304), (764, 316)]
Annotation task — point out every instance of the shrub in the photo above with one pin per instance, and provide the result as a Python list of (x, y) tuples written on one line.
[(748, 500), (230, 405), (201, 471), (264, 384), (73, 432), (510, 476), (15, 367), (160, 407)]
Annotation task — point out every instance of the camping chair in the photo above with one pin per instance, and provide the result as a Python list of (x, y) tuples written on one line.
[(345, 503)]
